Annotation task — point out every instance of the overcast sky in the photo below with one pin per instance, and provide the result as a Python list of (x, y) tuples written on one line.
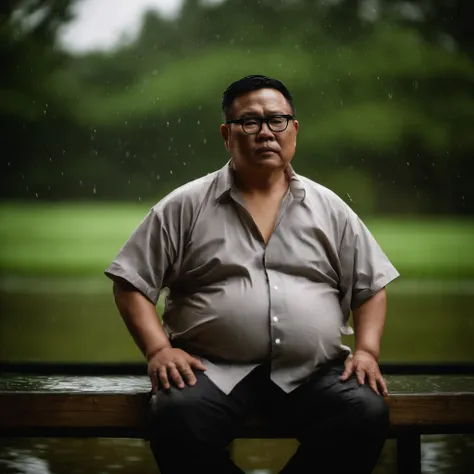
[(101, 23)]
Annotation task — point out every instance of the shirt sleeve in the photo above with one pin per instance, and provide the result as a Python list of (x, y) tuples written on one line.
[(145, 258), (365, 267)]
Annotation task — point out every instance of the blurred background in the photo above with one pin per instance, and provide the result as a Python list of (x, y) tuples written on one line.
[(106, 106)]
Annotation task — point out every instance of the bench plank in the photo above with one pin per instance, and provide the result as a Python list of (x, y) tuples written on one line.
[(118, 404), (39, 410)]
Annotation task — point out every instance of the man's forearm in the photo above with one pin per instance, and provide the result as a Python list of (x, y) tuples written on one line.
[(140, 317), (369, 321)]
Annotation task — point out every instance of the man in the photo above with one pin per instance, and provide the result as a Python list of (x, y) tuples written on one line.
[(263, 267)]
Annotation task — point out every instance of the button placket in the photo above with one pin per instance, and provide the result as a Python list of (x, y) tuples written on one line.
[(275, 306)]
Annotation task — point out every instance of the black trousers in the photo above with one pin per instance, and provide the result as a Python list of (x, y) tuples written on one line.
[(341, 426)]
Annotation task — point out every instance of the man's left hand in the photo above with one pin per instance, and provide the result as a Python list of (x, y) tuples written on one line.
[(364, 364)]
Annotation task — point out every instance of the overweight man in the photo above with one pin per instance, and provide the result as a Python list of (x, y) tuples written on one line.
[(263, 268)]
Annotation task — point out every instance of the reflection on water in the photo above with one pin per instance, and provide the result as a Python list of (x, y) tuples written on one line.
[(57, 456), (452, 454)]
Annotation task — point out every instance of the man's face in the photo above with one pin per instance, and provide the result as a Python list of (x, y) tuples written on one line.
[(265, 149)]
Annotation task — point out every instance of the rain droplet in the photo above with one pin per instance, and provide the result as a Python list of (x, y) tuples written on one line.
[(171, 171), (205, 141), (349, 196), (36, 194), (94, 190)]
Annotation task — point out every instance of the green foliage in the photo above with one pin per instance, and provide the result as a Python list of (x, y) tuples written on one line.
[(385, 109)]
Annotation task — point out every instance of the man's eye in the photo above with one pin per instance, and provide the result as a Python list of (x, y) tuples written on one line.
[(250, 122), (277, 120)]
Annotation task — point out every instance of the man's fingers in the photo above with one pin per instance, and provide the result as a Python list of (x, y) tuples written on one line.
[(196, 363), (154, 382), (383, 386), (187, 373), (163, 377), (175, 375), (373, 382), (349, 368), (360, 373)]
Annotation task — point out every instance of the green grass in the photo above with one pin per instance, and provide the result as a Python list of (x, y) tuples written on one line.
[(81, 239)]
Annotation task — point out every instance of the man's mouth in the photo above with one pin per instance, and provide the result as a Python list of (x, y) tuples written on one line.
[(265, 150)]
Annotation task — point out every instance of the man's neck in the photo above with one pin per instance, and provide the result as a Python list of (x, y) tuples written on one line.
[(263, 184)]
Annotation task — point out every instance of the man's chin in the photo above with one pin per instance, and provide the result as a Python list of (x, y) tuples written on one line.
[(270, 159)]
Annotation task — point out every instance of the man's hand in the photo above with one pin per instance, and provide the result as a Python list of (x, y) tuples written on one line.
[(364, 364), (175, 364)]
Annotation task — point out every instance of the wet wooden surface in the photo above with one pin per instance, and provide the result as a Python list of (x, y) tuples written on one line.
[(397, 384), (117, 405)]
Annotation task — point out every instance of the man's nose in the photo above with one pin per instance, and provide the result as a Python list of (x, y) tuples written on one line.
[(265, 131)]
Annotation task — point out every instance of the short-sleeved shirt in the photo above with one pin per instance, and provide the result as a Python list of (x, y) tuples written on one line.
[(234, 301)]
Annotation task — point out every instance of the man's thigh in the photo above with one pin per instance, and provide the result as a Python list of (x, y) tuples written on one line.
[(326, 402), (201, 411)]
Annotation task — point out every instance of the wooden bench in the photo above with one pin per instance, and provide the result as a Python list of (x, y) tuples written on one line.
[(116, 406)]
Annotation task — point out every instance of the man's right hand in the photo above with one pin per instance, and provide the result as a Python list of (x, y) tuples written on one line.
[(172, 365)]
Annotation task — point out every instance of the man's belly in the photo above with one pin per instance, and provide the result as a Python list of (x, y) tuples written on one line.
[(245, 323)]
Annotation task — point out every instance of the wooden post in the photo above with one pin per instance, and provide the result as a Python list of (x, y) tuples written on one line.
[(409, 454)]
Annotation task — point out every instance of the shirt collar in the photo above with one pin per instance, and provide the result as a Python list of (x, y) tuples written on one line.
[(225, 182)]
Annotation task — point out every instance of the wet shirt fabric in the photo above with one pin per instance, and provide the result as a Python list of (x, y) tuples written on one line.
[(236, 302)]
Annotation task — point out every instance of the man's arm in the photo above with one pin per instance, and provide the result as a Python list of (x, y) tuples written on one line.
[(139, 315), (164, 361), (369, 321)]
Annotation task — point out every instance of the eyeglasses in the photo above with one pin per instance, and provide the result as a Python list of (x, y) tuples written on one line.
[(252, 125)]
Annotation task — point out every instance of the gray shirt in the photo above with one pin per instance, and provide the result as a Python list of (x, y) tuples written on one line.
[(235, 302)]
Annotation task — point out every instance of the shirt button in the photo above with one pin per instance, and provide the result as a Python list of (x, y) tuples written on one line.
[(275, 319), (277, 341)]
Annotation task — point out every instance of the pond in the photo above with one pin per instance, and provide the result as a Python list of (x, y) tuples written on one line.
[(75, 320)]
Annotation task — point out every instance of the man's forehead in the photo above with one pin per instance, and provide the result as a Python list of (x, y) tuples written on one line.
[(261, 98)]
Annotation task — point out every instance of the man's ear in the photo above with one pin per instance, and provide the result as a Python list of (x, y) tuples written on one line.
[(225, 132)]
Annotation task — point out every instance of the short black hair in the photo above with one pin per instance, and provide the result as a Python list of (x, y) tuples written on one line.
[(249, 84)]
